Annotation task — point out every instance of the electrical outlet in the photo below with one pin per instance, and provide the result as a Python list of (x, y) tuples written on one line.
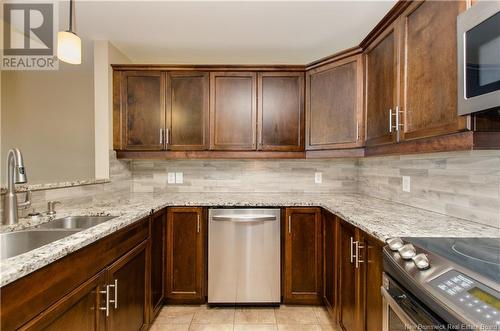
[(179, 178), (171, 178), (318, 177), (406, 183)]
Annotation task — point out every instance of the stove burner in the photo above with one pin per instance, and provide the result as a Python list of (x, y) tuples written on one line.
[(483, 253)]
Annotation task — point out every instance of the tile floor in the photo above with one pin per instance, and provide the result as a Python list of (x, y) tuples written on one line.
[(284, 318)]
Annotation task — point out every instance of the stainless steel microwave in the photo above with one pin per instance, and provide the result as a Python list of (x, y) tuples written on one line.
[(478, 37)]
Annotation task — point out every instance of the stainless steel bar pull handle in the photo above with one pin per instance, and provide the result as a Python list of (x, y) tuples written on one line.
[(106, 307), (161, 136), (115, 287), (244, 218), (398, 119), (390, 120), (358, 247), (198, 224), (289, 224), (352, 256), (167, 138)]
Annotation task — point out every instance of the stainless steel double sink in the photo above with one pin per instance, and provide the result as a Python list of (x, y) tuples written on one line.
[(19, 242)]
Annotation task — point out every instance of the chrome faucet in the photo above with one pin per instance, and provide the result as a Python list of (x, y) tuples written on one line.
[(16, 174)]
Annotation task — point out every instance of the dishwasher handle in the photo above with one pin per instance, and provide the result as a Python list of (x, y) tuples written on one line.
[(244, 218)]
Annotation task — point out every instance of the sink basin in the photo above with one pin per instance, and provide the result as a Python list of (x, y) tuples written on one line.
[(15, 243), (76, 222)]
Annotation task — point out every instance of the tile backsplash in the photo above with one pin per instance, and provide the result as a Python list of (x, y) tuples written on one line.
[(460, 184), (246, 176)]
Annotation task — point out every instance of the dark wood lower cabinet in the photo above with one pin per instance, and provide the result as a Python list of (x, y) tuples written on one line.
[(157, 234), (349, 279), (360, 279), (372, 257), (329, 262), (127, 291), (78, 311), (185, 255), (303, 276)]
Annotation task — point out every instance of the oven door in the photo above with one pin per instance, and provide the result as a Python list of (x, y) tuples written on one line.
[(402, 312)]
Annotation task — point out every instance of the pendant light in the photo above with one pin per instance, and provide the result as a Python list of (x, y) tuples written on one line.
[(69, 45)]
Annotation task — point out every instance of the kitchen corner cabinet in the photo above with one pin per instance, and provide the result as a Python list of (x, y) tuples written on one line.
[(360, 279), (233, 110), (302, 272), (280, 111), (334, 105), (157, 232), (330, 262), (428, 51), (186, 255)]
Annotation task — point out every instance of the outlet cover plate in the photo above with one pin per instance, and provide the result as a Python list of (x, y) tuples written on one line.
[(318, 177), (406, 184), (171, 178), (179, 178)]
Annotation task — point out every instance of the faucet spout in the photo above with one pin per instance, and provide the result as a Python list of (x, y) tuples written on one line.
[(16, 174)]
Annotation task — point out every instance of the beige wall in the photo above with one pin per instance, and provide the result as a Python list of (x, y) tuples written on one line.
[(49, 115), (105, 54)]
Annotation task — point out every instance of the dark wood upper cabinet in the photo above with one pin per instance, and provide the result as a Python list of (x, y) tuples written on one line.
[(128, 279), (187, 108), (303, 276), (334, 105), (233, 110), (79, 310), (429, 54), (185, 255), (381, 87), (157, 240), (349, 280), (329, 262), (281, 111), (371, 255), (143, 110)]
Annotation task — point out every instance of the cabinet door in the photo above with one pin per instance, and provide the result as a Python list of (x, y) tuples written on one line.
[(186, 255), (233, 115), (329, 262), (187, 110), (381, 99), (303, 261), (143, 110), (371, 255), (128, 295), (157, 234), (79, 310), (349, 291), (281, 111), (430, 94), (334, 105)]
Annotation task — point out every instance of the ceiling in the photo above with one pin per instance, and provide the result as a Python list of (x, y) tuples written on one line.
[(229, 32)]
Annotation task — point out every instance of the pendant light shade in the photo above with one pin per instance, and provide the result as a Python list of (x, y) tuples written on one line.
[(69, 45)]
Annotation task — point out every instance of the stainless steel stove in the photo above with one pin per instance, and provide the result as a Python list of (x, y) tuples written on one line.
[(442, 284)]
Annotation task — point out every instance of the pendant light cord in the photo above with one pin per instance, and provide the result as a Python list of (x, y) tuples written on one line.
[(70, 15)]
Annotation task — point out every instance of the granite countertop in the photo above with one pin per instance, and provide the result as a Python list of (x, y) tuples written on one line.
[(380, 218)]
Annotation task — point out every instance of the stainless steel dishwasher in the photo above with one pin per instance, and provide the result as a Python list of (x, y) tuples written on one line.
[(244, 256)]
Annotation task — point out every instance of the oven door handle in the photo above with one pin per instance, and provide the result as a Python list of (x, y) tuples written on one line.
[(405, 318)]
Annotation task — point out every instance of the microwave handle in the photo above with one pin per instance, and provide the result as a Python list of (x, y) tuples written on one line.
[(389, 302)]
